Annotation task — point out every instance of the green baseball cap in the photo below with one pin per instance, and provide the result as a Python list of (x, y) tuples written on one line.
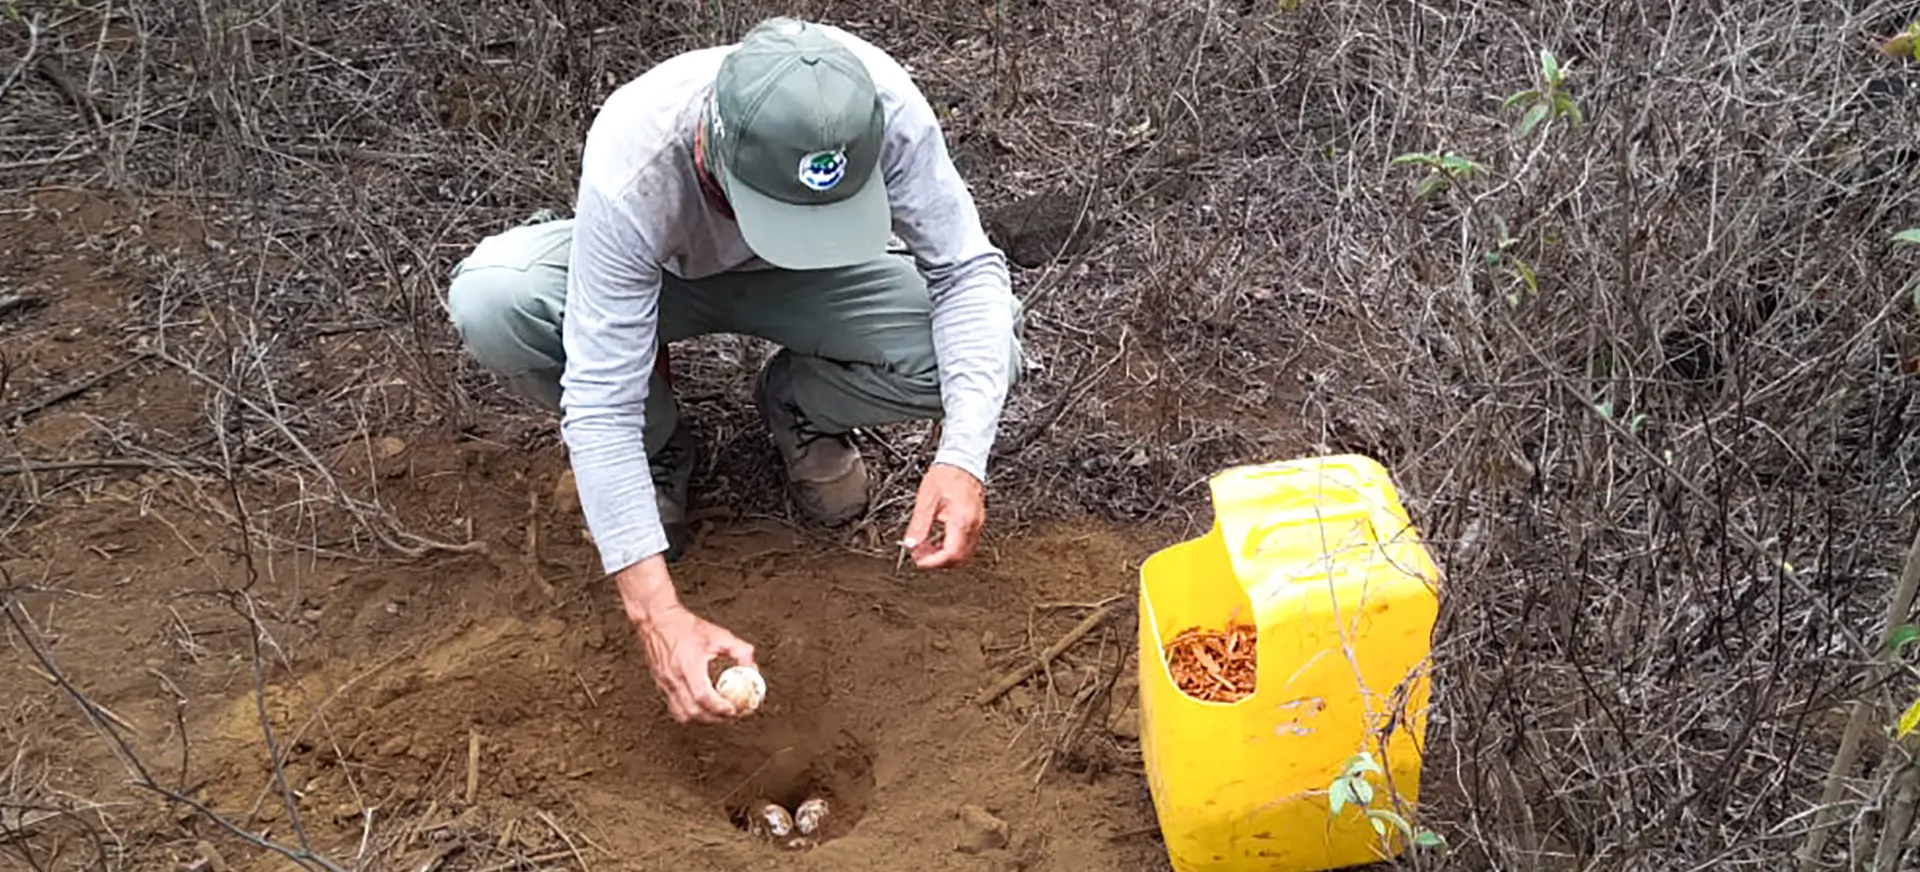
[(796, 127)]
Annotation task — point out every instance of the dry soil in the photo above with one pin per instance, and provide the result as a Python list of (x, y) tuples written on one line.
[(474, 710)]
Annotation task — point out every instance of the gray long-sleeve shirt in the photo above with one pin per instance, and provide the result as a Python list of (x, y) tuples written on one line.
[(640, 214)]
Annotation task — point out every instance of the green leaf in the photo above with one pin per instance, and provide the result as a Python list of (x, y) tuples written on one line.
[(1605, 409), (1381, 817), (1901, 637), (1908, 721), (1429, 839), (1528, 96), (1454, 163), (1529, 121), (1362, 762), (1563, 106), (1429, 186), (1421, 158), (1911, 236), (1362, 791), (1526, 275), (1550, 67)]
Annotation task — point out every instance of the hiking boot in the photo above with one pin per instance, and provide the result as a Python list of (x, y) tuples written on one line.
[(825, 472), (672, 469)]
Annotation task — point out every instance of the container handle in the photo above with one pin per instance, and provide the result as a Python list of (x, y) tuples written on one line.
[(1257, 535)]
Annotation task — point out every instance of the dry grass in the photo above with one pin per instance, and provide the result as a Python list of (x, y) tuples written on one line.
[(1651, 616)]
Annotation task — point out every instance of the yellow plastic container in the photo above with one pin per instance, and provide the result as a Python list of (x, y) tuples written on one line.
[(1320, 555)]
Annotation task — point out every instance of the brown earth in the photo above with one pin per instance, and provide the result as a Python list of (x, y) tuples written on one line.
[(464, 711)]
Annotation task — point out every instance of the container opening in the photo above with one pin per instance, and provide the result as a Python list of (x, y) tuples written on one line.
[(1215, 665)]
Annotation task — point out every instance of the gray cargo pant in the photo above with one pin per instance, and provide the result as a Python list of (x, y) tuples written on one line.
[(861, 338)]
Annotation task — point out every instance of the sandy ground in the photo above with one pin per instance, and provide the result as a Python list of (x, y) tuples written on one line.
[(466, 711)]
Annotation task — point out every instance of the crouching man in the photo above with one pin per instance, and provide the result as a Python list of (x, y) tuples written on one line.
[(796, 187)]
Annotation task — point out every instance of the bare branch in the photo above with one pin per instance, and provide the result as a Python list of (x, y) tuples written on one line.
[(143, 778)]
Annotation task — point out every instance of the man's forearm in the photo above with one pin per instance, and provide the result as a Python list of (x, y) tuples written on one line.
[(646, 590), (973, 330)]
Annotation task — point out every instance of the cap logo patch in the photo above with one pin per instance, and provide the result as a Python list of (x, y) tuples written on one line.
[(822, 170)]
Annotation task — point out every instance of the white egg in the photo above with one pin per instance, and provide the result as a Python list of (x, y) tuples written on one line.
[(742, 686), (808, 817), (772, 820)]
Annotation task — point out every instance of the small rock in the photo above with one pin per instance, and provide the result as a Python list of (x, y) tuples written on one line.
[(1069, 682), (209, 857), (311, 615), (395, 746), (393, 608), (682, 798), (1126, 723), (392, 446), (566, 493), (980, 831)]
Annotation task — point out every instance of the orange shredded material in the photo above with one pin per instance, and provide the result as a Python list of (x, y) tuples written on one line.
[(1213, 665)]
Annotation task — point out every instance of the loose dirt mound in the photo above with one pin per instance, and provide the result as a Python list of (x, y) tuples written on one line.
[(488, 711), (455, 717), (479, 710), (492, 710), (504, 713)]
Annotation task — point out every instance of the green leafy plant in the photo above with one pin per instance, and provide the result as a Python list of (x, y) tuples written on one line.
[(1351, 787), (1549, 101), (1444, 170), (1905, 45)]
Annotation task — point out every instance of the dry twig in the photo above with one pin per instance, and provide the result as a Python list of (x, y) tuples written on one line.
[(109, 729), (1026, 670)]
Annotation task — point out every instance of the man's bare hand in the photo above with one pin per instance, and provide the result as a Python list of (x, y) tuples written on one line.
[(680, 646), (956, 500)]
